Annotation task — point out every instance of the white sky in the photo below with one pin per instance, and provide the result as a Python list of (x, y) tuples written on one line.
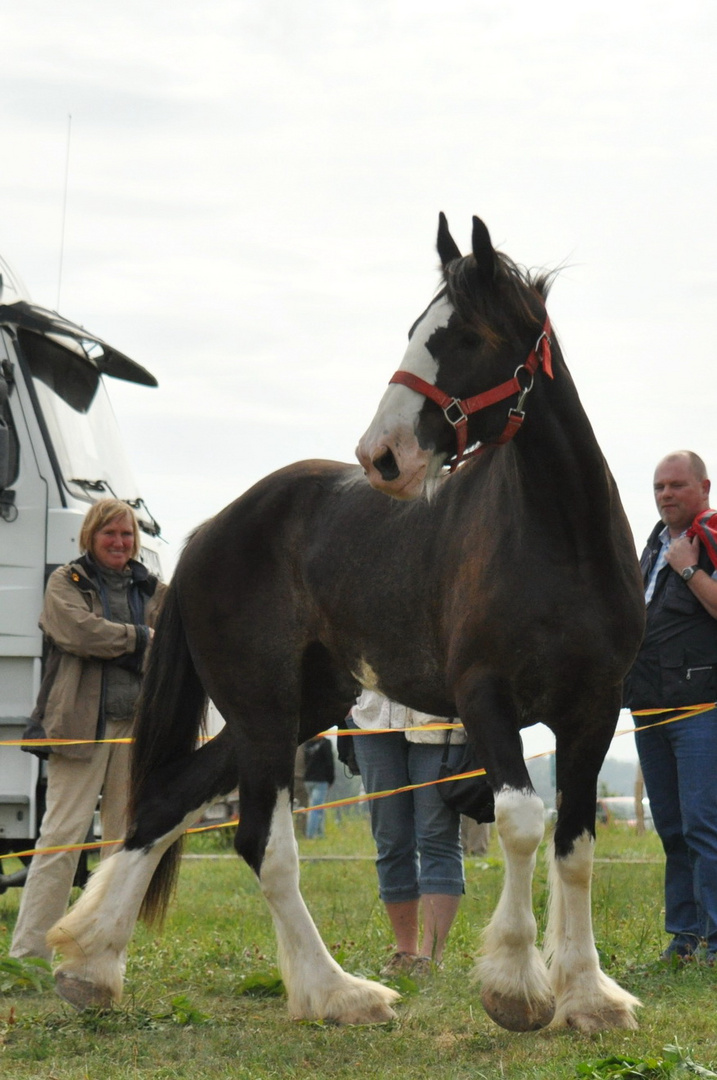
[(252, 200)]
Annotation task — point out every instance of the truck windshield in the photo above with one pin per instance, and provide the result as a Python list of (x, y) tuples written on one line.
[(79, 419)]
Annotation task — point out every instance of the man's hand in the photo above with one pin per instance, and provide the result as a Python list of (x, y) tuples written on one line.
[(683, 553)]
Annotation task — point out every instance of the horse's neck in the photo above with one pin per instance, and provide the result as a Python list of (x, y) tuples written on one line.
[(560, 460)]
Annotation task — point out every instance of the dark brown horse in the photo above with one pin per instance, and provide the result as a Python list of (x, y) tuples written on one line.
[(505, 592)]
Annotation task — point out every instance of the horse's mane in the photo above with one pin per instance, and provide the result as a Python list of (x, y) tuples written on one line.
[(511, 301)]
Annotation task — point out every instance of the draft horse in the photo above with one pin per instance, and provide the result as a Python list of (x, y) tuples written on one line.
[(502, 589)]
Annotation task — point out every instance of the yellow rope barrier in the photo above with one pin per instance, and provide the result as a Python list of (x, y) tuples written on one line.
[(447, 725), (682, 714)]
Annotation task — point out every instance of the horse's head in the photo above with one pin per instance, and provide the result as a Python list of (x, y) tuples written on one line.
[(471, 356)]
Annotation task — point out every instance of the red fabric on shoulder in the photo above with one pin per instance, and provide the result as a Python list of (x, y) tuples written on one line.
[(705, 527)]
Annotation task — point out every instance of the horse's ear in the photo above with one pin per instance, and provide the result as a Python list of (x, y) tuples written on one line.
[(483, 251), (448, 249)]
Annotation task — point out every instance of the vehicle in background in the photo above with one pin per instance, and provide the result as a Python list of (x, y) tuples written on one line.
[(60, 451)]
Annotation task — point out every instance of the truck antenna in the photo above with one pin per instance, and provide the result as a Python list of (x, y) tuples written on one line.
[(64, 210)]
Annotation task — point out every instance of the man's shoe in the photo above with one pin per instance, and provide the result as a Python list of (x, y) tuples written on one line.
[(679, 951)]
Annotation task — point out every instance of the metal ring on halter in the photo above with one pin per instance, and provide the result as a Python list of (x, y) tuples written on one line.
[(526, 389)]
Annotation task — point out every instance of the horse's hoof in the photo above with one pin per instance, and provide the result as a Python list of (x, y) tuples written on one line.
[(515, 1014), (379, 1013), (81, 993), (607, 1020), (365, 1003)]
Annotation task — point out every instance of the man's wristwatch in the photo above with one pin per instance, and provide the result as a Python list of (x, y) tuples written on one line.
[(688, 573)]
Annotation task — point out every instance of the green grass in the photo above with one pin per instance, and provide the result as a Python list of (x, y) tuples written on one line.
[(201, 999)]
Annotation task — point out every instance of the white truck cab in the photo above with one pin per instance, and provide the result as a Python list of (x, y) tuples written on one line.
[(60, 450)]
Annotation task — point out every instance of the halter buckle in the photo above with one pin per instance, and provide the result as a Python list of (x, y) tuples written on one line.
[(460, 416)]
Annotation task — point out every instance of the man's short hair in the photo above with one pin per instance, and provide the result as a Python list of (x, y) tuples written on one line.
[(697, 465)]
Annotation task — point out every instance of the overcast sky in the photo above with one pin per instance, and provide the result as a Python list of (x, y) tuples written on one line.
[(252, 200)]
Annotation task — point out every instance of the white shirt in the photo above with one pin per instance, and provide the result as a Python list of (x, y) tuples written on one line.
[(373, 710), (660, 562)]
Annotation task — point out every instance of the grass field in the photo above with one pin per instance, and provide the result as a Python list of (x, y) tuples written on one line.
[(202, 999)]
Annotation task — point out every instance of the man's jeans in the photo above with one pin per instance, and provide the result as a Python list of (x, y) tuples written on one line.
[(679, 764)]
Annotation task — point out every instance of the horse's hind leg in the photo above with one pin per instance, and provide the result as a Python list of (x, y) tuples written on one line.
[(92, 937), (317, 988)]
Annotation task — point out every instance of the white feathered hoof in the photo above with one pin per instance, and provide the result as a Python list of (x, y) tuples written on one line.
[(378, 1011), (517, 1014), (595, 1004), (355, 1001), (610, 1019), (81, 993)]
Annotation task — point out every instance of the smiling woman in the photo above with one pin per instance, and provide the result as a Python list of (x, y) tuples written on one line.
[(97, 620), (114, 543)]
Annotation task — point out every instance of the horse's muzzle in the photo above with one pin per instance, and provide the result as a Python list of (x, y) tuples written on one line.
[(385, 472)]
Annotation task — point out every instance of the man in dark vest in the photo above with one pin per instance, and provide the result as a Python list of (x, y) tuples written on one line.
[(677, 667)]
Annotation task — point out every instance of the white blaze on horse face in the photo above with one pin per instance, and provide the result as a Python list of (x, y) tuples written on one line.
[(389, 451)]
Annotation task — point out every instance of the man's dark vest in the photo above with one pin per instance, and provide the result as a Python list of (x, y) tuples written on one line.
[(677, 662)]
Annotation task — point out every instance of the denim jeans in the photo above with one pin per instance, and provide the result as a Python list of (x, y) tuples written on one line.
[(317, 790), (417, 836), (679, 764)]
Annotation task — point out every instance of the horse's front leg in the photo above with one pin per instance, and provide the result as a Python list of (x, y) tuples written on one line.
[(317, 988), (587, 999), (515, 987)]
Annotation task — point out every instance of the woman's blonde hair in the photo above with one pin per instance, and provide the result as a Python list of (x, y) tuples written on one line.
[(99, 515)]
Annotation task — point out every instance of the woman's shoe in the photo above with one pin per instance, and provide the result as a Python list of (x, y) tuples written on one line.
[(423, 968), (401, 963)]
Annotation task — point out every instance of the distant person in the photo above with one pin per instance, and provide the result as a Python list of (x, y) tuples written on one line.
[(97, 620), (417, 836), (318, 777), (301, 796), (676, 667)]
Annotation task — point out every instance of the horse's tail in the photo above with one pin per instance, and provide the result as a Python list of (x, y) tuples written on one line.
[(170, 716)]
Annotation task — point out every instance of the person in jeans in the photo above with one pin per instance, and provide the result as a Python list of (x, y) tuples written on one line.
[(419, 854), (677, 667), (318, 778)]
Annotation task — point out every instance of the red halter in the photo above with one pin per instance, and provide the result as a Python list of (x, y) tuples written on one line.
[(457, 412)]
